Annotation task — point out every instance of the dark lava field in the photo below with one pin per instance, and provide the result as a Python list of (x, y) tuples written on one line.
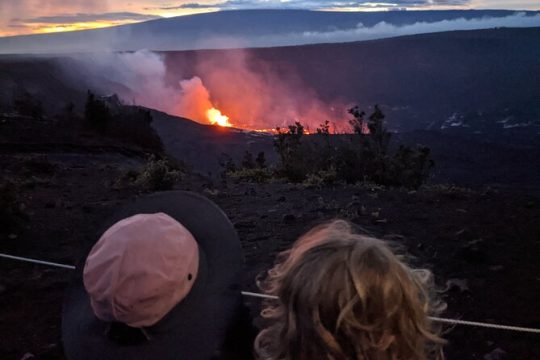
[(481, 241)]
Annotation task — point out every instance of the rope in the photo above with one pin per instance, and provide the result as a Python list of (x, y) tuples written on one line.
[(486, 325), (273, 297), (432, 318), (259, 295), (34, 261)]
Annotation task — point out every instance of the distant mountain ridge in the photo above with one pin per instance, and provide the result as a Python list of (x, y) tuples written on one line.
[(241, 28)]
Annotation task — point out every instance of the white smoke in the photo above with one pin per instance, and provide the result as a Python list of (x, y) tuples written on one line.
[(252, 99), (194, 100), (138, 77), (386, 30)]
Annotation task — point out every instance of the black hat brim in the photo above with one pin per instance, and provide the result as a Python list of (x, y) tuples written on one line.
[(196, 327)]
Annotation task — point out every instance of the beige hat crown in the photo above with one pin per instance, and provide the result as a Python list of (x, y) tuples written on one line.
[(140, 269)]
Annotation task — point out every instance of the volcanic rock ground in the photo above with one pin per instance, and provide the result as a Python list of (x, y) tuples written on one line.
[(481, 243)]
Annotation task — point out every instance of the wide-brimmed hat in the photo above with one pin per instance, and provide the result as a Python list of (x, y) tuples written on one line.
[(135, 259)]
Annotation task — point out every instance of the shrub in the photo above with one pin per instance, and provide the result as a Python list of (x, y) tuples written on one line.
[(324, 128), (368, 159), (158, 174), (348, 164), (370, 147), (129, 123), (300, 156), (365, 157), (322, 177), (10, 214), (261, 160), (249, 170), (26, 104), (133, 124), (288, 145), (126, 178), (256, 175), (227, 165), (96, 112), (247, 161), (410, 168)]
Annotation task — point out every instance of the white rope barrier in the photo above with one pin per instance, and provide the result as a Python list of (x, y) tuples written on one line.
[(432, 318), (34, 261), (273, 297), (485, 325), (259, 295)]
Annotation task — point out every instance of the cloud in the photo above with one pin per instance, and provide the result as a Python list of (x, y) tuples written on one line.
[(86, 17), (226, 5), (187, 6), (33, 8), (314, 4), (208, 35), (360, 32), (385, 30), (10, 9)]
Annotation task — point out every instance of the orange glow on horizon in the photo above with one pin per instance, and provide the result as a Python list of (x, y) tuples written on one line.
[(46, 28), (30, 28), (50, 28)]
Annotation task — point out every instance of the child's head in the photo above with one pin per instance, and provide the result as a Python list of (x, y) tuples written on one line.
[(347, 296)]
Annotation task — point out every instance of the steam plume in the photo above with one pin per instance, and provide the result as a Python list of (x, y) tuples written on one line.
[(194, 100), (252, 99)]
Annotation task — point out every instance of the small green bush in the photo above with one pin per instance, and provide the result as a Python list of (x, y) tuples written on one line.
[(227, 164), (255, 175), (322, 177), (362, 157), (409, 167), (249, 169), (127, 177), (288, 145), (158, 174), (248, 162)]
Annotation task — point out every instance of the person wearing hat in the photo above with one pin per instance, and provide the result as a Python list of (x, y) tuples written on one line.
[(161, 283)]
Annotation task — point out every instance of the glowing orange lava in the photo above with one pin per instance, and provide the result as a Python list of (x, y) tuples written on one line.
[(217, 118)]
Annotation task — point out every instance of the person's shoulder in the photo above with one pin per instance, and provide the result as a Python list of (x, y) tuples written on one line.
[(240, 337)]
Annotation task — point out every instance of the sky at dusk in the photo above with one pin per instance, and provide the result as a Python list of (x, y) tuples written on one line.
[(41, 16)]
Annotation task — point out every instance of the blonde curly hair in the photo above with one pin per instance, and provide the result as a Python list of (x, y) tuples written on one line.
[(343, 296)]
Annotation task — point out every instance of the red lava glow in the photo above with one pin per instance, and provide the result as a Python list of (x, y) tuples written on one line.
[(231, 89), (226, 89), (217, 118)]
